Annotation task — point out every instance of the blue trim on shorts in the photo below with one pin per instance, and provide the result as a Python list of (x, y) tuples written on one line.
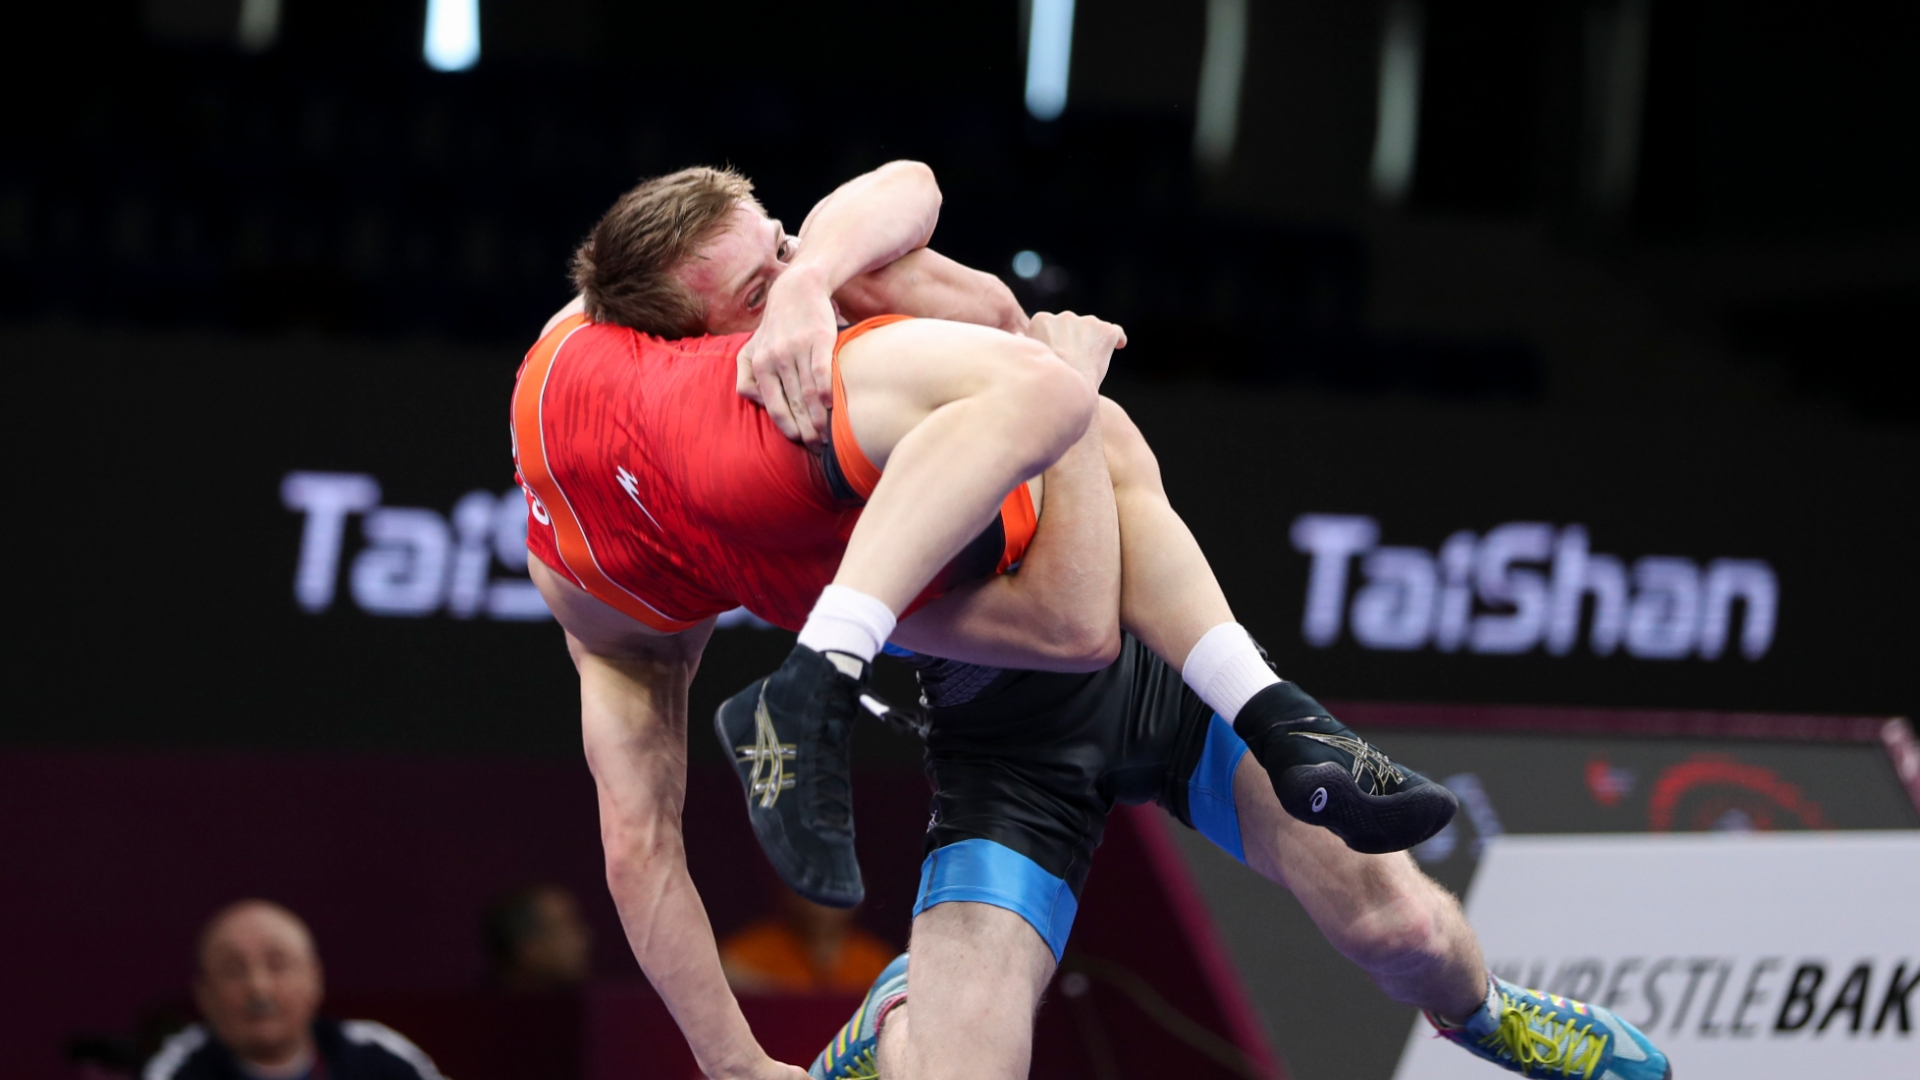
[(985, 872), (1210, 788)]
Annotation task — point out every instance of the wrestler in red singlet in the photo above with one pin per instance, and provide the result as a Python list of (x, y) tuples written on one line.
[(654, 486)]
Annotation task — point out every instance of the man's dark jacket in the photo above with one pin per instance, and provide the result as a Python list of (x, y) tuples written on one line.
[(348, 1050)]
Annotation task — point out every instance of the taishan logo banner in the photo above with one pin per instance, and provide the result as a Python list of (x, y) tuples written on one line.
[(416, 561), (1743, 957), (1528, 586)]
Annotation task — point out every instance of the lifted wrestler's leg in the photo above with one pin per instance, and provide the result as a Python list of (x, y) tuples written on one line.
[(975, 976), (1170, 600), (1168, 596), (956, 416), (1380, 911)]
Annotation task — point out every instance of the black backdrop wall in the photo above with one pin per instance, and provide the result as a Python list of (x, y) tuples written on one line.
[(182, 593)]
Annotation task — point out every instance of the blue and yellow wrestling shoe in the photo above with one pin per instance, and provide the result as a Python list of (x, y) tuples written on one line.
[(851, 1053), (1537, 1034)]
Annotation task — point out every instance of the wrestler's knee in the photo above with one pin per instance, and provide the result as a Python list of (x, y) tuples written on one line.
[(1092, 645), (1130, 460), (1055, 401)]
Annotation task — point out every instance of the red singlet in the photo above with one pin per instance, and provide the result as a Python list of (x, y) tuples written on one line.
[(660, 491)]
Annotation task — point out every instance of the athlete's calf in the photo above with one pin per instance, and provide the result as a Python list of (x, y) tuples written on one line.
[(977, 973), (1379, 911), (1411, 937)]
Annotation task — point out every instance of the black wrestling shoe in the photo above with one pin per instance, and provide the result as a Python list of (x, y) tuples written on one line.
[(790, 736), (1326, 775)]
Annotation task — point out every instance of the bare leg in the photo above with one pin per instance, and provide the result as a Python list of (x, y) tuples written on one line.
[(1168, 595), (1380, 911), (957, 416), (974, 980), (1171, 602)]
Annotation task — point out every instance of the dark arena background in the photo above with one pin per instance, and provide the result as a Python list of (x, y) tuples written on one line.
[(1538, 378)]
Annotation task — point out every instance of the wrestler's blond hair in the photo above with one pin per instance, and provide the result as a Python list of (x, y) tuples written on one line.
[(625, 267)]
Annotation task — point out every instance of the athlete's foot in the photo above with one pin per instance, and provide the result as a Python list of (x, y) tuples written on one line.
[(790, 736), (1326, 775), (1537, 1034), (851, 1054)]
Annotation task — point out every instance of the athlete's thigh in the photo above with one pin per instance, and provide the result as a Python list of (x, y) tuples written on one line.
[(976, 973), (895, 375), (1333, 882)]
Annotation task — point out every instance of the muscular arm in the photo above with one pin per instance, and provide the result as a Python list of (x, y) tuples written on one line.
[(865, 224), (633, 718), (926, 283)]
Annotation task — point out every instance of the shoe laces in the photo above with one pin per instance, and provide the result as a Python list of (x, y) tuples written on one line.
[(862, 1066), (1532, 1039), (1370, 767), (832, 783)]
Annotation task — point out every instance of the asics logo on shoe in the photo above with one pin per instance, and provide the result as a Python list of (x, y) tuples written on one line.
[(631, 485), (1319, 799), (851, 1053), (768, 756), (1373, 770)]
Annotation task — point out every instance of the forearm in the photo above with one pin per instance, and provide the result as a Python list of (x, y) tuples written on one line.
[(666, 926), (927, 284), (633, 718), (1059, 612), (867, 223)]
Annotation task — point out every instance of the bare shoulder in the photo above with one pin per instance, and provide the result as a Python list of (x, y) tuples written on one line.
[(576, 306)]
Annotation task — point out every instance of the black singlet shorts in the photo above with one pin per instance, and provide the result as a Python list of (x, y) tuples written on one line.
[(1026, 766)]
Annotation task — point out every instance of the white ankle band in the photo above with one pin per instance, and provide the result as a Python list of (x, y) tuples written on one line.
[(847, 621), (1225, 668)]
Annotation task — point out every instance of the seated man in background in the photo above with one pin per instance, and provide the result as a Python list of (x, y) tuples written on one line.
[(259, 991), (537, 942), (807, 948)]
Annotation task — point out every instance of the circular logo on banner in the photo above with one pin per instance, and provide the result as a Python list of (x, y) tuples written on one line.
[(1715, 792)]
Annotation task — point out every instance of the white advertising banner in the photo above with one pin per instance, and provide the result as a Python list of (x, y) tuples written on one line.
[(1743, 956)]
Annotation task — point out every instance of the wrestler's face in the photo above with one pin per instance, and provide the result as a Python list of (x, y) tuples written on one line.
[(733, 271)]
